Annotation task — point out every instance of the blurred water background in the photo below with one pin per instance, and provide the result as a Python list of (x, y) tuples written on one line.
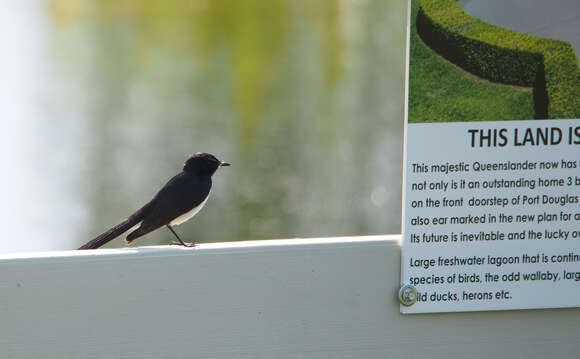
[(101, 102)]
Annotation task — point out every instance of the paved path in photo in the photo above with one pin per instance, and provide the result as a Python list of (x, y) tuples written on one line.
[(555, 19)]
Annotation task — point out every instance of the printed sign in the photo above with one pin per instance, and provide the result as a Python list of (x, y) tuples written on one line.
[(491, 216)]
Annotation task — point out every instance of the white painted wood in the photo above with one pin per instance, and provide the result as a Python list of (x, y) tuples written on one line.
[(318, 298)]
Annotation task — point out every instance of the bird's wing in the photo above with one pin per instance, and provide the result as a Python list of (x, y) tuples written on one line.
[(181, 194)]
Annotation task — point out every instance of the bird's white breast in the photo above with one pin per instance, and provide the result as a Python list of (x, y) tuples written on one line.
[(187, 215)]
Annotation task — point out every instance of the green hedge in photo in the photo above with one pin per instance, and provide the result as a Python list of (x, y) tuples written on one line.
[(505, 56), (440, 91)]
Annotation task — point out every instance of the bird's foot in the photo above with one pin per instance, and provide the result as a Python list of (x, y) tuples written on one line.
[(185, 244)]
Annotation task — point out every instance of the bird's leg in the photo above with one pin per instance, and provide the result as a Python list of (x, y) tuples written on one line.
[(181, 243)]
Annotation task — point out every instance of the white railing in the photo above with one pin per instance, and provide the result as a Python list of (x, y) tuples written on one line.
[(298, 298)]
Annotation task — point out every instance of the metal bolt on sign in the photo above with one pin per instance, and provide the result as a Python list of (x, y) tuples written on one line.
[(408, 295)]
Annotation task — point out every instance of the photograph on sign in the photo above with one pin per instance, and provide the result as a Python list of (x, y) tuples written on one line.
[(491, 212)]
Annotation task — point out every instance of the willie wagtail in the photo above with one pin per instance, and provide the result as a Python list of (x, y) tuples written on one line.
[(179, 200)]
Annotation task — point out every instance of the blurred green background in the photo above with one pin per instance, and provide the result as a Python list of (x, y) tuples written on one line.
[(102, 102)]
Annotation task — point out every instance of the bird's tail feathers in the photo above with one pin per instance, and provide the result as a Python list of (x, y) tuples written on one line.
[(113, 232)]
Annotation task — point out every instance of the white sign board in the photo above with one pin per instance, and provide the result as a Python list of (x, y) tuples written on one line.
[(490, 228), (491, 216)]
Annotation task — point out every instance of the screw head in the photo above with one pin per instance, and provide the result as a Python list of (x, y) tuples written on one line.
[(408, 295)]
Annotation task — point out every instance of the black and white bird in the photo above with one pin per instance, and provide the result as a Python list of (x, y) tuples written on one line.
[(179, 200)]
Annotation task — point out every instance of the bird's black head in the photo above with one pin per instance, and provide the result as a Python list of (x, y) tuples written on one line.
[(203, 164)]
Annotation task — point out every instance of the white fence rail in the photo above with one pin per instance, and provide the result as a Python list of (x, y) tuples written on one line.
[(316, 298)]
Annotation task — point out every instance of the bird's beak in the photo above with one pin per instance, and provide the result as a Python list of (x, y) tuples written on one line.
[(223, 164)]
